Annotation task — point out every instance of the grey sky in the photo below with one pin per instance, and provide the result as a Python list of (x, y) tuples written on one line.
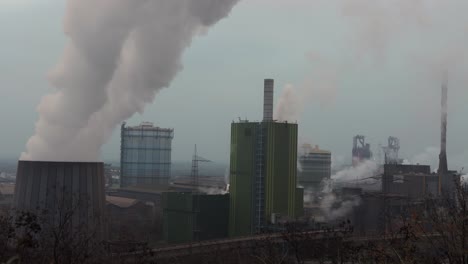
[(381, 64)]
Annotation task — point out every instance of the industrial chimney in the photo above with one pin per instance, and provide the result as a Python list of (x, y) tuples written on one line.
[(443, 167), (268, 100)]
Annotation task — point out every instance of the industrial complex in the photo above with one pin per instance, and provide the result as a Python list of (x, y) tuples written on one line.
[(271, 183)]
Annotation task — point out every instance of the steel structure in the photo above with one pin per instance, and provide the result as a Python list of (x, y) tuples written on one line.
[(145, 157), (391, 151), (194, 172), (361, 150)]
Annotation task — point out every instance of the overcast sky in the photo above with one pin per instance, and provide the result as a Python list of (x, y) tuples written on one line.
[(367, 67)]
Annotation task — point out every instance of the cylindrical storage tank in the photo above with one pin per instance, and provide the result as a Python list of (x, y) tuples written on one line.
[(53, 190)]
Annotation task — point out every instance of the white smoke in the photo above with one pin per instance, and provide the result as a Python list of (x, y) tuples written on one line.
[(289, 105), (120, 53), (212, 190), (464, 179), (319, 87), (335, 207), (430, 156), (365, 170)]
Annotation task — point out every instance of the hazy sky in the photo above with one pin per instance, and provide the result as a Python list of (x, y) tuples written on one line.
[(362, 67)]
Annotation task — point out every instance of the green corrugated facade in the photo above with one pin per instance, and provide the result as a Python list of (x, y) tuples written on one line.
[(280, 169), (177, 217), (242, 173), (193, 217), (279, 158)]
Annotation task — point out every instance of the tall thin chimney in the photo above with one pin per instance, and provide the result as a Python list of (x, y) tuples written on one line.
[(443, 167), (268, 100)]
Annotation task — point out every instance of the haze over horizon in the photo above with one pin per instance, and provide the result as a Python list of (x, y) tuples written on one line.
[(365, 67)]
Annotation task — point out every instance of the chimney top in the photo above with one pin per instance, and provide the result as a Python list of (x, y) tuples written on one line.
[(268, 92)]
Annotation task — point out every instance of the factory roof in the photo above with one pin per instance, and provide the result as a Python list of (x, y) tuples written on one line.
[(314, 150), (148, 126), (240, 121), (155, 189), (7, 189), (121, 202)]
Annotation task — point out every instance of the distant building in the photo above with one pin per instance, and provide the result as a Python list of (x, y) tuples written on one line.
[(263, 171), (194, 216), (412, 181), (145, 155), (7, 193), (315, 166)]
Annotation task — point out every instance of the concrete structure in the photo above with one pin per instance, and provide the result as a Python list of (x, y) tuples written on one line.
[(315, 166), (145, 156), (194, 217), (263, 171), (52, 189)]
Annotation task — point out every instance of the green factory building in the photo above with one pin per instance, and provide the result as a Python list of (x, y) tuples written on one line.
[(263, 171), (194, 216)]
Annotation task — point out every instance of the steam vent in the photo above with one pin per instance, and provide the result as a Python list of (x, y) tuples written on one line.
[(52, 189)]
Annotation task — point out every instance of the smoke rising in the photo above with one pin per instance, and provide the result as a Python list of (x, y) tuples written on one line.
[(120, 53), (363, 171), (335, 206), (319, 87), (413, 41), (289, 105), (430, 156), (363, 175)]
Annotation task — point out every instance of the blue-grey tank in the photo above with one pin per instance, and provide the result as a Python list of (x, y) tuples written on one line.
[(52, 189)]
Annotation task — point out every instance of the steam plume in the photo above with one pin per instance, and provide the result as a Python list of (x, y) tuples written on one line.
[(119, 54), (335, 206), (319, 87), (365, 170), (289, 105)]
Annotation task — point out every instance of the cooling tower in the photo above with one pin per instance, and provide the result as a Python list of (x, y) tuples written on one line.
[(54, 189)]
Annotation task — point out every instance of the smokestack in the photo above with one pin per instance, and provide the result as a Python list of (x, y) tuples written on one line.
[(268, 100), (443, 167)]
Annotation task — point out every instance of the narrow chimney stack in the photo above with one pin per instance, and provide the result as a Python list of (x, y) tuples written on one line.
[(268, 100), (443, 166)]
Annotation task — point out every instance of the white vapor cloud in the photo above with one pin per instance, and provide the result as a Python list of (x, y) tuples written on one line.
[(120, 53)]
